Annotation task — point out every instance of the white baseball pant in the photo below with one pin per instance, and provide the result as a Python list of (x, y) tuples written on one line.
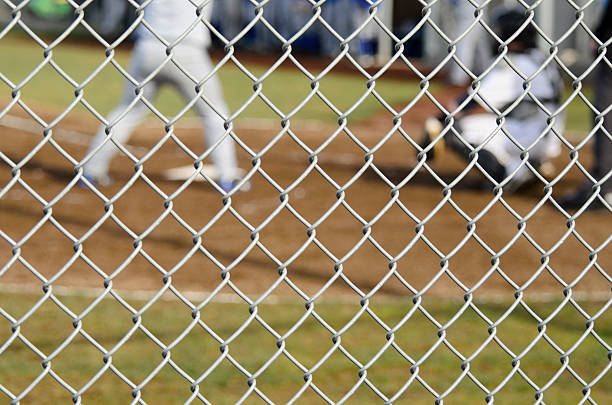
[(145, 58)]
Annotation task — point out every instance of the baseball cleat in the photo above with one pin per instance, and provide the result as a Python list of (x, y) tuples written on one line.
[(96, 181), (228, 186)]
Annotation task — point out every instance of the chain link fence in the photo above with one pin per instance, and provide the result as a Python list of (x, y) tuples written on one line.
[(368, 250)]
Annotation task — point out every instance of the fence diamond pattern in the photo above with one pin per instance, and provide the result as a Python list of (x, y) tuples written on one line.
[(50, 135)]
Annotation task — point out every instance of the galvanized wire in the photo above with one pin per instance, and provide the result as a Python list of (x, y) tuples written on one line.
[(345, 54)]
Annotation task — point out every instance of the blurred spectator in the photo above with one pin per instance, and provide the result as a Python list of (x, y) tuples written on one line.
[(413, 47), (334, 12), (229, 16), (368, 36), (291, 18), (50, 9), (110, 16)]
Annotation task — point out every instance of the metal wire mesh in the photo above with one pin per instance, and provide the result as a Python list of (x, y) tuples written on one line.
[(314, 235)]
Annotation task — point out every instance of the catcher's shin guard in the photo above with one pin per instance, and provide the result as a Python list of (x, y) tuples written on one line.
[(487, 160)]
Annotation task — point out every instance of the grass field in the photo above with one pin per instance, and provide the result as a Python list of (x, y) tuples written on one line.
[(48, 88), (196, 351), (78, 61)]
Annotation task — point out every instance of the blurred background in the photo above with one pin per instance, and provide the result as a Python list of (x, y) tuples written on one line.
[(110, 18)]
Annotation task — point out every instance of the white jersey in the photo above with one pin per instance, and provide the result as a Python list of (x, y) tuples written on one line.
[(503, 85), (171, 18), (499, 89)]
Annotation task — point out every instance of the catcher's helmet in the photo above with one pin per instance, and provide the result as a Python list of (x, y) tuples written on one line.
[(508, 22)]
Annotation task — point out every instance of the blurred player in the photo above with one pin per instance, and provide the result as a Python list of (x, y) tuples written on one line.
[(368, 36), (345, 16), (602, 147), (229, 17), (526, 122), (334, 12), (472, 50), (169, 19)]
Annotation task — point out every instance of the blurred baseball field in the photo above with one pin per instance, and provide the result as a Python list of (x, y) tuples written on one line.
[(131, 341)]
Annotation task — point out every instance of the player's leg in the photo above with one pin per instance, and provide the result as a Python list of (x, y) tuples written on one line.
[(467, 134), (473, 49), (197, 62), (463, 13), (487, 158), (528, 133), (121, 121), (480, 130), (542, 149)]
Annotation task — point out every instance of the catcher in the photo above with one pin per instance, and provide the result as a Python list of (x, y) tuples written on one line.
[(523, 87)]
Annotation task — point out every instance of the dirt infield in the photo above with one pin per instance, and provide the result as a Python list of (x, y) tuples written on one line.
[(50, 253)]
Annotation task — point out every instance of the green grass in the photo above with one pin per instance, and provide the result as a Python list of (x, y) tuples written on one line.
[(137, 359), (108, 323), (578, 117), (285, 88)]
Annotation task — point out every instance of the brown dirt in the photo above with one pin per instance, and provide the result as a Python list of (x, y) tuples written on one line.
[(47, 236)]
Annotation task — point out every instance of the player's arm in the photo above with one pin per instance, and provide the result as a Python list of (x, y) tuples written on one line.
[(434, 125), (494, 91)]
